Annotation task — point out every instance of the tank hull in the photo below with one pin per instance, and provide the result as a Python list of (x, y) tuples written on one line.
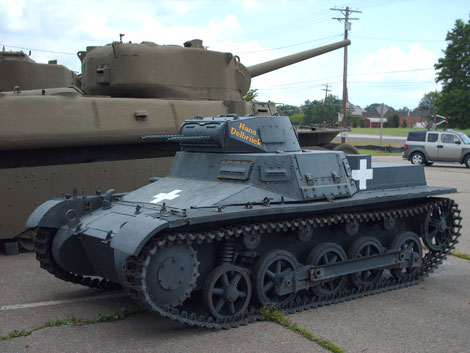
[(246, 218)]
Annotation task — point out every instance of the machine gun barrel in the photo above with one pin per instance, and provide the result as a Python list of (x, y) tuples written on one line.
[(268, 66), (177, 138)]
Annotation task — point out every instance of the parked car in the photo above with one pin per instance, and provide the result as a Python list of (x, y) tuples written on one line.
[(429, 146)]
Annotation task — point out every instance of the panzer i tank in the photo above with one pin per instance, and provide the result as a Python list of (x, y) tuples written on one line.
[(88, 135), (246, 218)]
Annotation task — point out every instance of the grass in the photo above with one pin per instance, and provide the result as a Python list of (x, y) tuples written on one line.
[(277, 316), (377, 153), (359, 143), (461, 255), (391, 131), (453, 253), (118, 314)]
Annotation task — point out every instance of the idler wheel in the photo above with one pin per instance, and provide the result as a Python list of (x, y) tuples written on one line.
[(361, 248), (172, 274), (268, 272), (227, 291), (406, 241), (327, 254), (437, 228)]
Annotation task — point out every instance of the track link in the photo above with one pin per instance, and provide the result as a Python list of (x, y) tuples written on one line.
[(43, 248)]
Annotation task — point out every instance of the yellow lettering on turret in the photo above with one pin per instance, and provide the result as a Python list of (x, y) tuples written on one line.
[(245, 133)]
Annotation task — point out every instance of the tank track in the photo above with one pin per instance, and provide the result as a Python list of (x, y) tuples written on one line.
[(43, 249), (136, 265)]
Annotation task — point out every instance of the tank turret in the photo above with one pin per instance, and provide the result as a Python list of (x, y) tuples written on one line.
[(19, 72), (149, 70)]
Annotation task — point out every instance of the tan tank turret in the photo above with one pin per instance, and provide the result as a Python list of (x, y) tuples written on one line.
[(149, 70), (19, 72)]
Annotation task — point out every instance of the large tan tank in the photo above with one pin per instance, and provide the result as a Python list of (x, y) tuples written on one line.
[(19, 72), (55, 139)]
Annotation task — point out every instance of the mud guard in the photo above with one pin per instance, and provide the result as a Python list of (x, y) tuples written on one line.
[(51, 214), (132, 237)]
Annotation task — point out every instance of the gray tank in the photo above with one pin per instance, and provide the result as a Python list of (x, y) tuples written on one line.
[(246, 218)]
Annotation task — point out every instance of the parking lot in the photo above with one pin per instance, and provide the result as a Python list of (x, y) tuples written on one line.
[(433, 316)]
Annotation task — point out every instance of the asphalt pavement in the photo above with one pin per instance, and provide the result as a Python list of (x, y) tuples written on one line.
[(433, 316)]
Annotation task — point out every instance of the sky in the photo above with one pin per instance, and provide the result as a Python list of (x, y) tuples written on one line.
[(395, 43)]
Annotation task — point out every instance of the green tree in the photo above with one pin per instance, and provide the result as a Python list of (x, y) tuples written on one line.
[(333, 106), (297, 119), (288, 110), (307, 110), (394, 120), (453, 72), (373, 108), (362, 123), (427, 104), (250, 95), (404, 124)]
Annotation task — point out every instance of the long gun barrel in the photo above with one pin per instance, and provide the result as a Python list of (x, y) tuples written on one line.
[(268, 66), (177, 138)]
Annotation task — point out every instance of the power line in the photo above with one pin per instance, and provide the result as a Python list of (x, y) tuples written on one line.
[(41, 50), (290, 46), (362, 74), (403, 40)]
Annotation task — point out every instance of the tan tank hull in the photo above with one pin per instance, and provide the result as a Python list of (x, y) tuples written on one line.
[(77, 120), (23, 189)]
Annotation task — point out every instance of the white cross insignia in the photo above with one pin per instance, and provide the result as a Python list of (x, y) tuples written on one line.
[(362, 174), (166, 196)]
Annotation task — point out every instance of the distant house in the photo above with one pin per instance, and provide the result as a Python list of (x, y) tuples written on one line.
[(413, 119), (355, 110), (374, 122)]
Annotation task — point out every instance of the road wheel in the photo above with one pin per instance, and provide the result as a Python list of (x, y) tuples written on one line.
[(467, 161), (362, 248), (227, 292), (268, 271), (346, 148), (406, 241), (326, 254), (417, 158)]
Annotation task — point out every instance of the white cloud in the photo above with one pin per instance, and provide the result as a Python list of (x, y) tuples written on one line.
[(394, 58)]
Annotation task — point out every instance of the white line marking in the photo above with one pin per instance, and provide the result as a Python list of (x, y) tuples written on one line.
[(64, 301)]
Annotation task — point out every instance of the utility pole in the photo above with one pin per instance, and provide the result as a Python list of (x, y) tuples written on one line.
[(324, 102), (347, 26)]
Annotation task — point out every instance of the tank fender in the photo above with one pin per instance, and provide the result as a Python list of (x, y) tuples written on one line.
[(133, 235), (51, 214)]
